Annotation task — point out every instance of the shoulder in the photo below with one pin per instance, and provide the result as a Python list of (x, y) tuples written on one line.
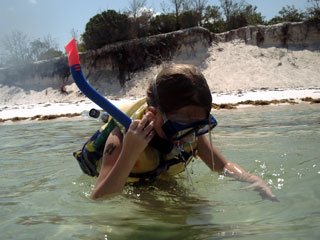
[(115, 136), (112, 148)]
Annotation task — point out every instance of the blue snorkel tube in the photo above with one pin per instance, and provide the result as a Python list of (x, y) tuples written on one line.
[(88, 90), (75, 68)]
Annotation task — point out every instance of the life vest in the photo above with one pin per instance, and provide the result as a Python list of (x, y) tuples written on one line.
[(152, 163)]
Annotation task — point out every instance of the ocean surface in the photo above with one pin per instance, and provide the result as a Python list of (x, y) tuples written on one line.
[(44, 195)]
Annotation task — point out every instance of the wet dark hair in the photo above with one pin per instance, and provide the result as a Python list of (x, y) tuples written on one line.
[(177, 86)]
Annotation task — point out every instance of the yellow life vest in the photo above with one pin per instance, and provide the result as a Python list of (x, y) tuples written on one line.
[(151, 160), (150, 164)]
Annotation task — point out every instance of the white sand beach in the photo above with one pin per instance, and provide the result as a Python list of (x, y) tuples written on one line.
[(235, 72)]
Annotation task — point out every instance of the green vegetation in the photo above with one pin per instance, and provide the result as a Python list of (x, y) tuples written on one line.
[(288, 14), (139, 21), (106, 27), (314, 11)]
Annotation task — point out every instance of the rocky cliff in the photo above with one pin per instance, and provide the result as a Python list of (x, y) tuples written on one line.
[(115, 63), (299, 35), (112, 63)]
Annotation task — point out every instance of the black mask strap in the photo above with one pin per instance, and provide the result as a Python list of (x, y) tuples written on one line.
[(162, 145)]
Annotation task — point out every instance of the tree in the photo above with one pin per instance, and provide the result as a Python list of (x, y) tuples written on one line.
[(49, 54), (19, 49), (16, 48), (248, 15), (252, 16), (142, 23), (105, 28), (165, 7), (188, 19), (44, 49), (231, 8), (291, 14), (240, 14), (139, 16), (178, 4), (314, 11), (199, 7), (315, 3), (288, 14), (135, 6), (163, 23), (212, 19)]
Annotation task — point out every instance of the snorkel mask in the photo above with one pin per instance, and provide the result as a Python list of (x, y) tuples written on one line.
[(175, 131)]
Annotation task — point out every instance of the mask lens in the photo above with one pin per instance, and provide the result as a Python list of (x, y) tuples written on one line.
[(203, 130), (177, 131), (183, 133), (207, 127)]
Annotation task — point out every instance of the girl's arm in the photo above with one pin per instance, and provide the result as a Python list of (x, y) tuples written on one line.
[(120, 154), (215, 161)]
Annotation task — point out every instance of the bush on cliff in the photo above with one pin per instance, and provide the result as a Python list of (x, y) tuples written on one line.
[(104, 28)]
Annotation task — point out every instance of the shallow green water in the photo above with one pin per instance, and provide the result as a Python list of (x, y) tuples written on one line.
[(43, 194)]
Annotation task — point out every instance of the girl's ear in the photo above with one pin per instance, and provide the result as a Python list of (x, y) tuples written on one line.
[(155, 112), (152, 109)]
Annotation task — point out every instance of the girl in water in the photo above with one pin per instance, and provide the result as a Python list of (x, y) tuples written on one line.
[(167, 131)]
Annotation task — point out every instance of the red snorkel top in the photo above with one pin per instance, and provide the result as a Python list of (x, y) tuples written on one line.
[(72, 51)]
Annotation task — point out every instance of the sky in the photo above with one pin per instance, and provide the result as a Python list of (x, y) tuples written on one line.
[(57, 18)]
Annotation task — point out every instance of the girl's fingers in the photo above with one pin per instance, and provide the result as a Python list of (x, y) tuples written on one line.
[(148, 128), (142, 127), (150, 136), (134, 125), (142, 124)]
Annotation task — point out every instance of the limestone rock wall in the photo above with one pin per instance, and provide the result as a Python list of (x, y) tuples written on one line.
[(114, 62), (299, 35)]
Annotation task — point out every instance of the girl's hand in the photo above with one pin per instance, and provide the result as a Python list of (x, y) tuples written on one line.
[(124, 151), (263, 189), (257, 184), (138, 136)]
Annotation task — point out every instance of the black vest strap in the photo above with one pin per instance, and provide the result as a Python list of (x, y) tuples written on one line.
[(161, 144)]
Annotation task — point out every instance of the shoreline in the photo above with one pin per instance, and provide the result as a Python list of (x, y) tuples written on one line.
[(230, 100), (239, 76)]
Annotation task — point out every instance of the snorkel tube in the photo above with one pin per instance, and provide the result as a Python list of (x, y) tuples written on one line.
[(76, 72), (88, 90)]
